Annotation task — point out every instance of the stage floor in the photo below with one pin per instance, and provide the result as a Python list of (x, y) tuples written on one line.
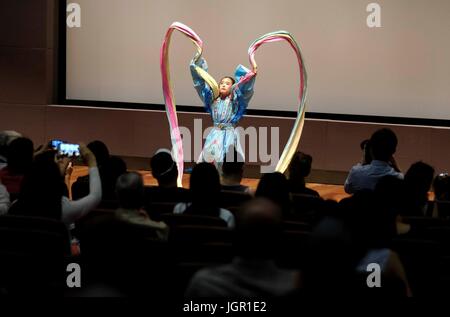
[(335, 192)]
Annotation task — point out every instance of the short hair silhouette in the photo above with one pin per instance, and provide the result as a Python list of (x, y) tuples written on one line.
[(383, 144), (130, 190)]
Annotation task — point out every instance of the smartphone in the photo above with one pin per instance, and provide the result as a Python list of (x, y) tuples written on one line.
[(54, 144), (69, 149)]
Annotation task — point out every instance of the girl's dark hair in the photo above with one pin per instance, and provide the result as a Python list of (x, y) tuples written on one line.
[(232, 79)]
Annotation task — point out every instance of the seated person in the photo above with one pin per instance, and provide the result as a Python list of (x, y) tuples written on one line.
[(165, 171), (130, 192), (253, 272), (6, 137), (232, 171), (373, 221), (299, 169), (110, 168), (4, 200), (275, 186), (383, 145), (205, 194), (441, 186), (20, 157), (366, 156), (42, 192), (418, 180)]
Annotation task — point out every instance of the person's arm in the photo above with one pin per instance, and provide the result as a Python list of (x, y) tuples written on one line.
[(243, 91), (4, 200), (74, 210), (204, 91), (394, 164), (348, 185), (395, 268)]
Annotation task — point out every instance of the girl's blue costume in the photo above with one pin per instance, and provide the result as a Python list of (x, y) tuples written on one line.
[(225, 113)]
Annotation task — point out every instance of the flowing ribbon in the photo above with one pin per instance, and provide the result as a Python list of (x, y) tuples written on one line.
[(294, 138), (169, 99), (177, 145)]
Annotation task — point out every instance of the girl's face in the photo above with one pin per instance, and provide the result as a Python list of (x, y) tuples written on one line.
[(225, 86)]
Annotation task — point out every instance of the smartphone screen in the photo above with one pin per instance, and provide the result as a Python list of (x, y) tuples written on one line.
[(68, 149), (55, 144)]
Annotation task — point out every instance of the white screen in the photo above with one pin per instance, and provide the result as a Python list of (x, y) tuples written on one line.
[(401, 69)]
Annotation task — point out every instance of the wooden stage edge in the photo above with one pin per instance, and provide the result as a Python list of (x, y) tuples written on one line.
[(335, 192)]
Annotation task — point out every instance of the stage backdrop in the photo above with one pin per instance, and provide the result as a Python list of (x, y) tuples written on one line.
[(400, 69)]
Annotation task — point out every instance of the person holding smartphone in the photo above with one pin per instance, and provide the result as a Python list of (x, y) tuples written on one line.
[(42, 193)]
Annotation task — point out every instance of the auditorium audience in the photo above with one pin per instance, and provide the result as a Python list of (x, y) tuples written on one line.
[(42, 192), (205, 194), (299, 169), (275, 186), (349, 236), (383, 145), (130, 193), (253, 272), (165, 171), (232, 172)]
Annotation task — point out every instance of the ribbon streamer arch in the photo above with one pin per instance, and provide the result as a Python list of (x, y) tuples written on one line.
[(177, 145)]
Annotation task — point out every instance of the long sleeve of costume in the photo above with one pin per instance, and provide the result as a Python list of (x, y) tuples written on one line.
[(203, 89), (243, 92), (73, 210)]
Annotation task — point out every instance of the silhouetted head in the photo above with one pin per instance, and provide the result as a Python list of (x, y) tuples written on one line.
[(164, 168), (205, 185), (130, 190), (300, 166), (5, 139), (441, 185), (100, 151), (383, 144), (275, 187), (233, 165), (418, 179), (42, 189), (365, 147), (258, 229), (20, 155), (390, 193), (112, 169)]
